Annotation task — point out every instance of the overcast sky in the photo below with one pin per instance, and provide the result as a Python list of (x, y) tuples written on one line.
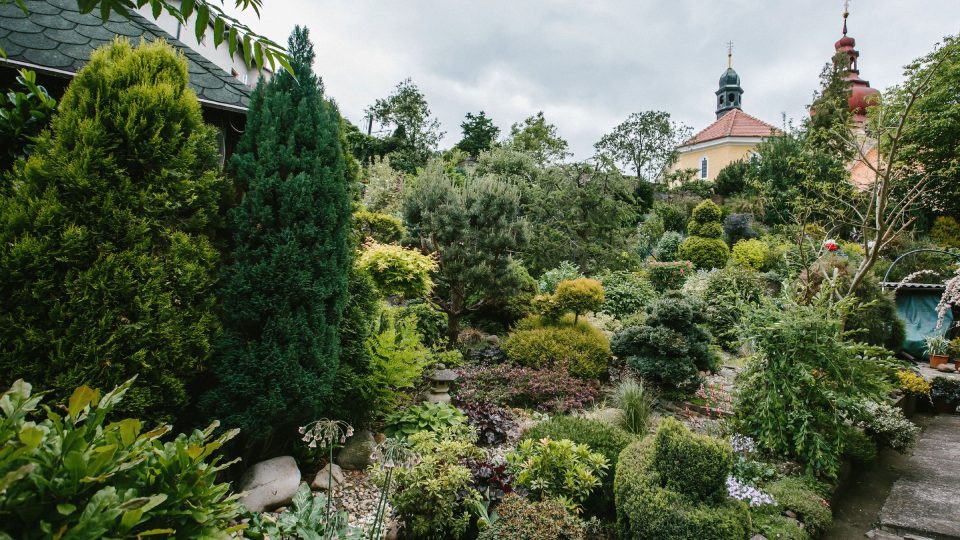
[(588, 64)]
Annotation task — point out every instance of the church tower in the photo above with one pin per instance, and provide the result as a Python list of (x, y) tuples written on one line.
[(730, 92)]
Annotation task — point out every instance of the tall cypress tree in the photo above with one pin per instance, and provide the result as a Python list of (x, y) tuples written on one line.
[(106, 268), (284, 290)]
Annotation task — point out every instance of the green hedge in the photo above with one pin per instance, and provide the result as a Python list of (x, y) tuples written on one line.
[(704, 253), (649, 506), (600, 437)]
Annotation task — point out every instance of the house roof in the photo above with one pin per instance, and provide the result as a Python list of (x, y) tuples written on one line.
[(56, 38), (735, 123)]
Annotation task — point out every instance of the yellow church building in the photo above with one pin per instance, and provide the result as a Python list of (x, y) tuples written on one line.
[(733, 136)]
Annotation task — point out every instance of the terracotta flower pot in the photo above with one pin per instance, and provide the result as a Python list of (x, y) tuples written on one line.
[(937, 359)]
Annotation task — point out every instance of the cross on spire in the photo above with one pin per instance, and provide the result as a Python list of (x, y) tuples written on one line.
[(846, 13), (729, 54)]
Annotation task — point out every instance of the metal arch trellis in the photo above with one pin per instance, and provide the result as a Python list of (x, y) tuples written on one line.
[(953, 254)]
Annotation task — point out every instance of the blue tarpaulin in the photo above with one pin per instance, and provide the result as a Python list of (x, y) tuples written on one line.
[(918, 309)]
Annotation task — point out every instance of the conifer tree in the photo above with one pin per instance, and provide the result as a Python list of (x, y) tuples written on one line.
[(106, 268), (284, 290)]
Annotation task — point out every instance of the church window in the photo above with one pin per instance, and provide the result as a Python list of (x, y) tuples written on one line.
[(703, 168)]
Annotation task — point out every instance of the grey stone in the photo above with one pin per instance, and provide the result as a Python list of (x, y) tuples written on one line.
[(790, 514), (269, 484), (332, 472), (946, 368), (355, 454), (758, 536)]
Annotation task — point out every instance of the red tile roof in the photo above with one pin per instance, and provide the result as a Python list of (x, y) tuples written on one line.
[(735, 123)]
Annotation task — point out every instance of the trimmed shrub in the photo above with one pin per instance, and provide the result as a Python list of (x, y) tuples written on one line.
[(670, 347), (398, 271), (706, 212), (752, 254), (378, 227), (946, 232), (667, 247), (732, 179), (649, 505), (584, 349), (107, 269), (74, 472), (704, 253), (710, 229), (625, 293), (794, 493), (665, 276), (522, 519), (578, 296), (603, 438)]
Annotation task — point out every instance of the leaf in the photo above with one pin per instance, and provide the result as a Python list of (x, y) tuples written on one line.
[(247, 49), (80, 398), (8, 479), (203, 17), (157, 7), (194, 451), (258, 54), (218, 27), (30, 435), (186, 8), (66, 508), (232, 40)]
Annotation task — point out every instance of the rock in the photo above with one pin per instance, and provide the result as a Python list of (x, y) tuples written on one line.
[(331, 472), (758, 536), (355, 454), (790, 514), (269, 484), (946, 368)]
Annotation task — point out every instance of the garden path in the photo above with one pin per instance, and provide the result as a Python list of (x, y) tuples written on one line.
[(923, 501)]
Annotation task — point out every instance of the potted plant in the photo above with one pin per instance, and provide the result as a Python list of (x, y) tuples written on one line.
[(937, 350), (945, 393)]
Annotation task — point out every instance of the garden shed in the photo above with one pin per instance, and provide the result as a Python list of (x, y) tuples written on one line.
[(917, 306)]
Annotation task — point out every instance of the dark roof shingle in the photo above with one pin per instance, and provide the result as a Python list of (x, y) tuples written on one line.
[(57, 36)]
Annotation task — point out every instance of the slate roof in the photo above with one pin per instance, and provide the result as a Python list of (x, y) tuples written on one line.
[(56, 36), (735, 123)]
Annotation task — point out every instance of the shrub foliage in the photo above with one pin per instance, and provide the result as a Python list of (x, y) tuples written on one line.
[(583, 348)]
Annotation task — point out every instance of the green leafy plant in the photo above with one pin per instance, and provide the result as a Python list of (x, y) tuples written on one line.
[(665, 276), (583, 348), (936, 345), (558, 469), (946, 231), (703, 247), (432, 417), (796, 495), (625, 293), (727, 295), (667, 246), (551, 278), (76, 475), (604, 439), (751, 253), (397, 270), (434, 497), (430, 322), (27, 111), (673, 485), (671, 346), (521, 519), (397, 359), (946, 390), (304, 520)]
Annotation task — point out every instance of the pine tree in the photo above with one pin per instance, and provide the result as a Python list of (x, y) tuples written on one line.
[(106, 268), (283, 293)]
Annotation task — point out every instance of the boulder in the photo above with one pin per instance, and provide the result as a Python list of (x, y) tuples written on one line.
[(355, 454), (269, 484), (946, 368), (331, 472)]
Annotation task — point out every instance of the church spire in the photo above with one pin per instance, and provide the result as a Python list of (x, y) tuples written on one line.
[(729, 92)]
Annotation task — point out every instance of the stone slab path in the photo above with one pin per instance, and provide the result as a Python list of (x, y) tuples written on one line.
[(925, 500)]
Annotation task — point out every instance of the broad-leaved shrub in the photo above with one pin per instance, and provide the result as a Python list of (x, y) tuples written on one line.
[(558, 469)]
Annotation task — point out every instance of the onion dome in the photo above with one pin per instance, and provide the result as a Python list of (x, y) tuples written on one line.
[(861, 94)]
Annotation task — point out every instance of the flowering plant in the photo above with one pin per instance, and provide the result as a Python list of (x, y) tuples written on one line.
[(831, 245), (717, 400), (913, 383), (326, 433), (887, 424), (747, 493)]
